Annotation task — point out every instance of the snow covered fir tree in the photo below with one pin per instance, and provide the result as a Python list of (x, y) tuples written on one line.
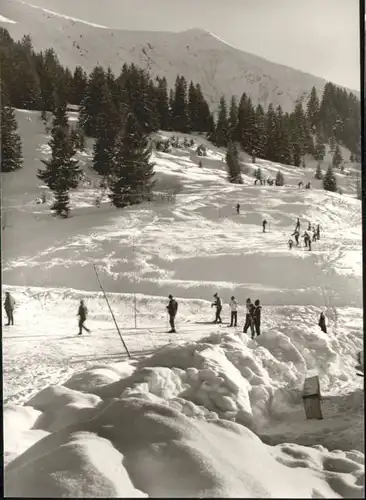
[(11, 145), (131, 178), (62, 171)]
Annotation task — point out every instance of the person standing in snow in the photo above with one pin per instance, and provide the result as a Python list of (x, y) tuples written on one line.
[(309, 226), (249, 317), (83, 314), (218, 305), (290, 243), (9, 305), (318, 232), (306, 238), (314, 234), (172, 311), (322, 323), (238, 208), (296, 234), (234, 311), (264, 224), (297, 227), (257, 317)]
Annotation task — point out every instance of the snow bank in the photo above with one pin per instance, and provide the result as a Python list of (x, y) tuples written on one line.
[(175, 424)]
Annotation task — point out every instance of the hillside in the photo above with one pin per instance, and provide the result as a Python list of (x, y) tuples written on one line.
[(197, 54), (191, 414)]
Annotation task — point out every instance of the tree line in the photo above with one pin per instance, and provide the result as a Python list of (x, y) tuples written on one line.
[(117, 109)]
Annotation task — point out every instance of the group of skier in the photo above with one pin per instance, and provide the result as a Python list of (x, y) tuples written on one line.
[(252, 318), (312, 234)]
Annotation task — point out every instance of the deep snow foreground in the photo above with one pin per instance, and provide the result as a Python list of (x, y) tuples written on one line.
[(180, 422), (164, 426)]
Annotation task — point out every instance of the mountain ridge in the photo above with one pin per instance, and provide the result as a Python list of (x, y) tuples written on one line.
[(196, 53)]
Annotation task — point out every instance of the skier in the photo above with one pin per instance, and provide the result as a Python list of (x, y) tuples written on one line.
[(249, 318), (318, 232), (257, 317), (297, 227), (309, 226), (218, 305), (238, 208), (83, 314), (307, 240), (321, 323), (9, 305), (264, 223), (296, 234), (290, 244), (234, 311), (97, 202), (172, 311), (314, 234)]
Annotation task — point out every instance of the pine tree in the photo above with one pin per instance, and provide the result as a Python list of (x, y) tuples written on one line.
[(233, 118), (107, 127), (179, 111), (131, 180), (319, 152), (233, 165), (259, 131), (91, 104), (162, 103), (329, 180), (313, 108), (280, 180), (79, 85), (337, 157), (62, 171), (318, 172), (11, 146), (222, 125), (270, 147)]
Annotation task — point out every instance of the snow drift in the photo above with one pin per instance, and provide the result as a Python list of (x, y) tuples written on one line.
[(168, 426)]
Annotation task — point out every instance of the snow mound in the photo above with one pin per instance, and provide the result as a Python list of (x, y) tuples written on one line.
[(178, 423)]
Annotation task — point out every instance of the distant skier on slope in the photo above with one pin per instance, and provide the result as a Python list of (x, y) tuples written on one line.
[(172, 308), (238, 208), (234, 311), (249, 317), (307, 240), (318, 232), (322, 323), (290, 244), (264, 224), (257, 317), (9, 305), (218, 305), (83, 314), (296, 234)]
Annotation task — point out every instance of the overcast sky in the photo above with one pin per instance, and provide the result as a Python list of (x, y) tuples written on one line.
[(317, 36)]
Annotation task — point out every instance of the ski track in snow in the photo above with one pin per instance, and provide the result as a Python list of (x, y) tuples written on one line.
[(207, 373)]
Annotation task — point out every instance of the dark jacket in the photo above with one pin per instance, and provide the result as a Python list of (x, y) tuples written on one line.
[(257, 314), (172, 307), (9, 303), (322, 323), (83, 311), (218, 303)]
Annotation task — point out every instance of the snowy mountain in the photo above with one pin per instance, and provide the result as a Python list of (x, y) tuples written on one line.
[(196, 53)]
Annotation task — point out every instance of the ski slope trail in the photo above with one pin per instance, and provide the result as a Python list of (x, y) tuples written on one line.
[(192, 413)]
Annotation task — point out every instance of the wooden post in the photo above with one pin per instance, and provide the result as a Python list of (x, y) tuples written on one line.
[(311, 398), (110, 309)]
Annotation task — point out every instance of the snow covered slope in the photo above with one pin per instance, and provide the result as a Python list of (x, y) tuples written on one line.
[(196, 54), (205, 411)]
